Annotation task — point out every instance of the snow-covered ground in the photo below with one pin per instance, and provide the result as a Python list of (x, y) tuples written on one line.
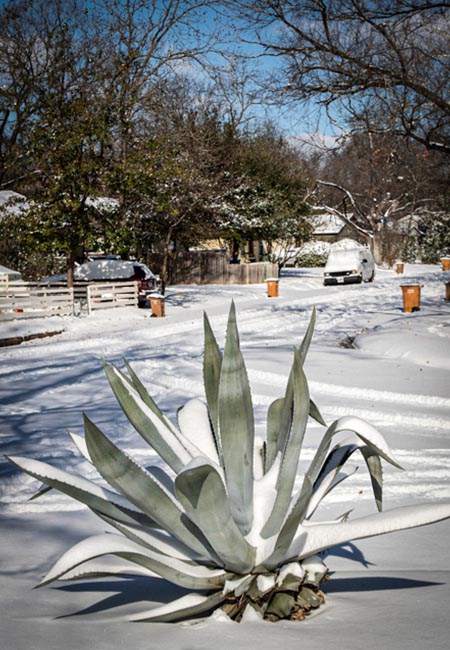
[(368, 358)]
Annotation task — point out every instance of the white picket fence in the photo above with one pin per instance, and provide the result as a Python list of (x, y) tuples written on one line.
[(114, 294), (29, 300), (4, 282)]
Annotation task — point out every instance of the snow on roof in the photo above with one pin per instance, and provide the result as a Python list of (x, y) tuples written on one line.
[(102, 203), (12, 275), (327, 224), (12, 203)]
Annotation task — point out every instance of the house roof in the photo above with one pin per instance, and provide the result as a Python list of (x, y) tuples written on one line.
[(12, 275), (12, 203), (326, 223)]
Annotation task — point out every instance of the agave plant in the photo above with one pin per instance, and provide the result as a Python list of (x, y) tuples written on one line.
[(223, 519)]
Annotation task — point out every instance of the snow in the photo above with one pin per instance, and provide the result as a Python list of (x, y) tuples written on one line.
[(344, 260), (327, 224), (12, 204), (105, 269), (367, 360)]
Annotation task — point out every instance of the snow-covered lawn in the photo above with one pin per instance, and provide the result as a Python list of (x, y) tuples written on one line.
[(367, 358)]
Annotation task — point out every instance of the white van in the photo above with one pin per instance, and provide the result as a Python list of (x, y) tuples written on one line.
[(347, 266)]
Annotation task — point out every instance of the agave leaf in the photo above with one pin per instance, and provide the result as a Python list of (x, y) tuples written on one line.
[(194, 424), (290, 527), (202, 493), (286, 413), (314, 538), (97, 498), (138, 485), (315, 413), (365, 431), (146, 422), (162, 477), (174, 570), (40, 493), (186, 607), (306, 342), (80, 444), (308, 598), (376, 474), (279, 419), (212, 366), (278, 432), (327, 479), (236, 426), (264, 496), (281, 604), (155, 540), (143, 393), (329, 473), (109, 565), (289, 464), (273, 431), (336, 459)]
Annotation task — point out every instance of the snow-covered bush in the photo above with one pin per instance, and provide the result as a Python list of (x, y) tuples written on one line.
[(224, 519)]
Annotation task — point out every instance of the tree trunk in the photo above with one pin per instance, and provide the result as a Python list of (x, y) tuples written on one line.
[(234, 251), (165, 262), (71, 257), (377, 246)]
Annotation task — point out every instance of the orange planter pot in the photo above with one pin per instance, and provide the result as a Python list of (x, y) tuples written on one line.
[(272, 287), (157, 305), (411, 297), (445, 261), (399, 267)]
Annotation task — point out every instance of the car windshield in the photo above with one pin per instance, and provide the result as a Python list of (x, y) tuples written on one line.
[(343, 259)]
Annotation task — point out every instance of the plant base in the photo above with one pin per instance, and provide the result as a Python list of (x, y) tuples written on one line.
[(278, 604)]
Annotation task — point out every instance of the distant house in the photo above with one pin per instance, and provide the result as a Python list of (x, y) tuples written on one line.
[(12, 275), (330, 228), (12, 204)]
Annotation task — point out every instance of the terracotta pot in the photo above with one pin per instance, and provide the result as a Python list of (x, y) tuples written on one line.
[(272, 287), (411, 297), (445, 261), (399, 266)]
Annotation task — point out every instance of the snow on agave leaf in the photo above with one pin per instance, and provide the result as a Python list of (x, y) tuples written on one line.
[(224, 518)]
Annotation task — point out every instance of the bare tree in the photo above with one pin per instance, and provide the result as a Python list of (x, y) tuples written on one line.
[(375, 182), (383, 64)]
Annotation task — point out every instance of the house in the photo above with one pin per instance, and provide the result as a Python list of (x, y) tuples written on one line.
[(12, 204), (329, 227), (9, 273)]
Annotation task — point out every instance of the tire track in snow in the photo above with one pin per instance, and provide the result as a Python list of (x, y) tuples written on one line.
[(372, 394), (352, 393)]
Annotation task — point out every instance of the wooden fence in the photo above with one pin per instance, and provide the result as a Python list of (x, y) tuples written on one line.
[(109, 295), (4, 283), (209, 267), (29, 300)]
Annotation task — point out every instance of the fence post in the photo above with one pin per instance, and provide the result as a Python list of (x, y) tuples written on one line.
[(89, 300), (4, 282)]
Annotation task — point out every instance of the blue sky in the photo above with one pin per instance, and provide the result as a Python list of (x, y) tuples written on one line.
[(292, 120)]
